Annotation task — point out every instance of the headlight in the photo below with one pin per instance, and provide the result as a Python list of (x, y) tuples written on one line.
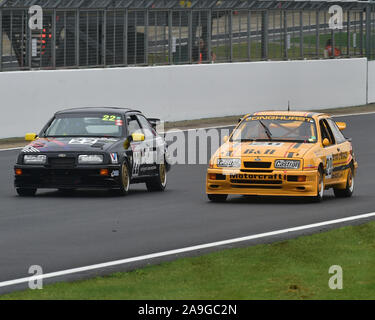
[(90, 159), (228, 162), (34, 159), (287, 164)]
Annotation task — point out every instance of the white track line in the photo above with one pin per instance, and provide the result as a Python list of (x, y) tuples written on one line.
[(352, 114), (182, 250), (10, 149)]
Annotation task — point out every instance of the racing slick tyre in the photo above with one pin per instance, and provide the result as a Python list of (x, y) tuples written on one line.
[(349, 188), (217, 197), (320, 186), (159, 182), (26, 192), (124, 180)]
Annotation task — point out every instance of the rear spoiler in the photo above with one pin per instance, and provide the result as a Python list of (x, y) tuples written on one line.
[(154, 122)]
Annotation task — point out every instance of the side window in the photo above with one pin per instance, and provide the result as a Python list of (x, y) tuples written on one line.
[(148, 131), (326, 131), (133, 125), (336, 132)]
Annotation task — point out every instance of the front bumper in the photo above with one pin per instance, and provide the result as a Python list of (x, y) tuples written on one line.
[(277, 183), (78, 177)]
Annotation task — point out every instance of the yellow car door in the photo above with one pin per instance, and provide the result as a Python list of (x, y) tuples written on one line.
[(330, 153), (340, 161)]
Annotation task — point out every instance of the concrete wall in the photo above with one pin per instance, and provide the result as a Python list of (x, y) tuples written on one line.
[(30, 98), (371, 82)]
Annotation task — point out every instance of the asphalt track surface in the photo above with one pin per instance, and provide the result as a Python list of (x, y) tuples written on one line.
[(60, 232)]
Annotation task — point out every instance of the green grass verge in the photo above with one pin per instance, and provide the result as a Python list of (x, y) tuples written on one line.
[(292, 269)]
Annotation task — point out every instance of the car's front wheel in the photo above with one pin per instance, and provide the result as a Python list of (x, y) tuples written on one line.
[(124, 180), (26, 192), (349, 188), (319, 187), (159, 182)]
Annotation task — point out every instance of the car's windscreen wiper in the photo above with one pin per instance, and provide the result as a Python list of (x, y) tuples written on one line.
[(267, 131), (244, 140)]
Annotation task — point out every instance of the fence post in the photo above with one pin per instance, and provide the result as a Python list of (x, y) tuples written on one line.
[(146, 37), (170, 53), (77, 36), (264, 41), (368, 32), (1, 38), (317, 33), (209, 34), (126, 37), (249, 35), (190, 37), (54, 39), (361, 33), (230, 27), (29, 44), (285, 35), (104, 38), (301, 34)]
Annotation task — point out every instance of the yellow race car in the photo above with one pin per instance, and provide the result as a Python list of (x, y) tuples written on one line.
[(283, 153)]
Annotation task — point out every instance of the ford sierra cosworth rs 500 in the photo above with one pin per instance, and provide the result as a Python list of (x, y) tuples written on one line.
[(93, 148), (275, 153)]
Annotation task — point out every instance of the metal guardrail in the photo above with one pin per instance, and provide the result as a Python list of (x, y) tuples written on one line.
[(92, 33)]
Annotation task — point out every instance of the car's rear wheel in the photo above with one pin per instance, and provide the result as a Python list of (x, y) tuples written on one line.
[(320, 186), (217, 197), (159, 182), (26, 192), (349, 188), (124, 181)]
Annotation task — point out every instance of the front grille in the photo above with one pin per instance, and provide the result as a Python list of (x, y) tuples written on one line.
[(61, 162), (256, 170), (257, 164), (256, 181)]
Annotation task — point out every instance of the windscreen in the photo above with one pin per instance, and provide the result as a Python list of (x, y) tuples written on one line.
[(89, 125), (276, 128)]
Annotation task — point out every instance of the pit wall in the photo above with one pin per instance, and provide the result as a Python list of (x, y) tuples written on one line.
[(185, 92)]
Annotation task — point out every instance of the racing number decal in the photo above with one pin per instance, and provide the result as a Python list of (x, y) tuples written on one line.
[(108, 117), (137, 158), (329, 166), (142, 155)]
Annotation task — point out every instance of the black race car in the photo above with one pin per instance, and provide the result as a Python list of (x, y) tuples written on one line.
[(97, 148)]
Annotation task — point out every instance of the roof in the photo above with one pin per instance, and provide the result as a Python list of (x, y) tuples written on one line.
[(177, 4), (96, 110)]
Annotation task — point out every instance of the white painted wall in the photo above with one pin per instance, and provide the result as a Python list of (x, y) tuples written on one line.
[(30, 98), (371, 81)]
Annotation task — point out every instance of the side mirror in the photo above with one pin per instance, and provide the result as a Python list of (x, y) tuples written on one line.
[(137, 137), (225, 139), (154, 122), (341, 125), (239, 120), (30, 136), (326, 142)]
